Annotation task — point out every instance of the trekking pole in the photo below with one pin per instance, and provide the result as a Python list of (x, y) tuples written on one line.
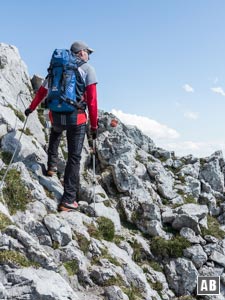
[(94, 175), (14, 153)]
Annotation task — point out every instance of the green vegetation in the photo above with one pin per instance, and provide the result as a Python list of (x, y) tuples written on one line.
[(93, 231), (135, 216), (181, 178), (175, 171), (162, 159), (118, 281), (140, 257), (83, 242), (112, 280), (165, 201), (202, 161), (150, 159), (171, 248), (105, 230), (107, 203), (106, 227), (219, 201), (186, 198), (124, 222), (27, 131), (168, 228), (16, 258), (15, 194), (138, 253), (6, 156), (18, 113), (111, 259), (55, 245), (138, 157), (213, 228), (133, 292), (181, 192), (102, 195), (117, 239), (155, 266), (105, 255), (4, 221), (72, 267), (157, 286), (189, 199)]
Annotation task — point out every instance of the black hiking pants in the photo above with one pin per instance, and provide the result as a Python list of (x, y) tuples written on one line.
[(75, 135)]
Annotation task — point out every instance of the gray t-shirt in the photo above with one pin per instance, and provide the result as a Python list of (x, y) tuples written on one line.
[(88, 74)]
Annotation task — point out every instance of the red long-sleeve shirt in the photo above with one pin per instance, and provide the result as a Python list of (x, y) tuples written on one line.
[(90, 97)]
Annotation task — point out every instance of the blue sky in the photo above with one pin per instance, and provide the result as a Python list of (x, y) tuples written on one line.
[(160, 63)]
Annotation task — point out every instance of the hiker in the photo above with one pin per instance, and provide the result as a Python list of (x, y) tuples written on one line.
[(73, 122)]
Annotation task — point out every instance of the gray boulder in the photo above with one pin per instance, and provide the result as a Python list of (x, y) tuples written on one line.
[(197, 255), (182, 276), (59, 229), (16, 92), (212, 174), (36, 284)]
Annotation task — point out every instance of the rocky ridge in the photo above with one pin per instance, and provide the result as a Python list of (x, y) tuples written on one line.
[(159, 218)]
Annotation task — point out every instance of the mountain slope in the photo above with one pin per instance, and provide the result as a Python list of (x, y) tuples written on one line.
[(159, 220)]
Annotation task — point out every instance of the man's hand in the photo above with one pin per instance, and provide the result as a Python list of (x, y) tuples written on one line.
[(27, 112), (94, 133)]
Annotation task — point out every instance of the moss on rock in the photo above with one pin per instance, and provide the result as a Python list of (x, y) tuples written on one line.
[(106, 228), (16, 258), (171, 248), (4, 221), (15, 193), (72, 267), (213, 228)]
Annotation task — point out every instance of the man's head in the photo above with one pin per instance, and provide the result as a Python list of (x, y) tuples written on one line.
[(81, 49)]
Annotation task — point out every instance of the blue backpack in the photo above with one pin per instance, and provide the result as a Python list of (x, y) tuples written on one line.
[(62, 81)]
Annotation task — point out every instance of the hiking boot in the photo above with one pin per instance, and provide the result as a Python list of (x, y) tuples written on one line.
[(51, 172), (65, 206)]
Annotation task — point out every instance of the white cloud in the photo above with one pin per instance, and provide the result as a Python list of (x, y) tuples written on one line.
[(218, 90), (188, 88), (148, 126), (198, 149), (188, 146), (191, 115)]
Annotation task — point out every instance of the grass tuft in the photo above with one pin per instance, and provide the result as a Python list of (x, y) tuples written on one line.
[(213, 228), (16, 258), (72, 267), (4, 221), (15, 193), (172, 248), (106, 228)]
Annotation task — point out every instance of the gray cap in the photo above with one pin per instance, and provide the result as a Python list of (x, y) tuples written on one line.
[(79, 45)]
